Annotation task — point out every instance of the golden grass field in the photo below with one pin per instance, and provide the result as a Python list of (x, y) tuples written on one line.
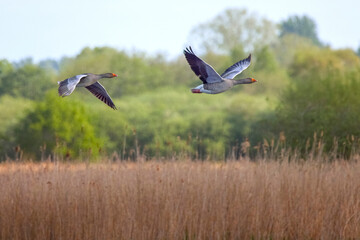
[(180, 200)]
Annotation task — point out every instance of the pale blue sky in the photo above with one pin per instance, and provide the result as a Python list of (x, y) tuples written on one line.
[(51, 29)]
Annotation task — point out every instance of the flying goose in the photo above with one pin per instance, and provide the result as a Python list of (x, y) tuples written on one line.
[(90, 82), (213, 82)]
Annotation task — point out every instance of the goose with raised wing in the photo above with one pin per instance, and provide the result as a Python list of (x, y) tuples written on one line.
[(90, 82), (214, 83)]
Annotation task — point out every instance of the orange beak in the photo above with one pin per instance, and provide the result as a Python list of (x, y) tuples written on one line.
[(253, 80), (114, 75)]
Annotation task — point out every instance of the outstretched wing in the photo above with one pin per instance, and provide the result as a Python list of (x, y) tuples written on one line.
[(237, 68), (203, 70), (67, 86), (99, 91)]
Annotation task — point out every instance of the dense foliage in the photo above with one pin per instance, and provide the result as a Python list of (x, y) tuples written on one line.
[(302, 89), (324, 98), (302, 26), (57, 126)]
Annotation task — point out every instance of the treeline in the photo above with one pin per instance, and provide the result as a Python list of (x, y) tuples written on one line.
[(304, 88)]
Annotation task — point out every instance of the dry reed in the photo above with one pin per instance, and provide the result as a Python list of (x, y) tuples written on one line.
[(180, 200)]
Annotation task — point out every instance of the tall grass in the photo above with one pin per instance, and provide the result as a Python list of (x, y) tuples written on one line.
[(180, 200)]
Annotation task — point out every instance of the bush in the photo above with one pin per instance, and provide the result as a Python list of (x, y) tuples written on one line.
[(57, 125), (323, 99), (28, 81)]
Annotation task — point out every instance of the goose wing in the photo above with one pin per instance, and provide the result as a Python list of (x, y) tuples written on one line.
[(237, 68), (203, 70), (99, 91), (67, 86)]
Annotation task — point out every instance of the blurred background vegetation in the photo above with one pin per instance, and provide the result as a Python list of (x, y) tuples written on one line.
[(304, 88)]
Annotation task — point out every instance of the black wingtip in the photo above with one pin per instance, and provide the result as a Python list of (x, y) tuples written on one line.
[(188, 50), (111, 104)]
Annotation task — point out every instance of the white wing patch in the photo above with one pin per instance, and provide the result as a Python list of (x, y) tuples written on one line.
[(67, 86), (237, 68)]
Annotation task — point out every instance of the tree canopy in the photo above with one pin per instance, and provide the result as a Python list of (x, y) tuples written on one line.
[(232, 29), (303, 26), (57, 126)]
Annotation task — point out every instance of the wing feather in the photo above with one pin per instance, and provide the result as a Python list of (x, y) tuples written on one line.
[(237, 68), (67, 86), (203, 70), (99, 91)]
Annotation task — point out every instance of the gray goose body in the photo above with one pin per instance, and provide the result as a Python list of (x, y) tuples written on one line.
[(90, 82), (214, 83)]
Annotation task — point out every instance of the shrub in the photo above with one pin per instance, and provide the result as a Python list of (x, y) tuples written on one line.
[(57, 125)]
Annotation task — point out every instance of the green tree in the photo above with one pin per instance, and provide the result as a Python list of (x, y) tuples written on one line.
[(288, 45), (265, 60), (12, 109), (232, 29), (57, 125), (322, 99), (303, 26), (50, 64), (5, 69), (27, 81)]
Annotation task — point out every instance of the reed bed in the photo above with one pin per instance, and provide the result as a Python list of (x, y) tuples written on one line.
[(180, 200)]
